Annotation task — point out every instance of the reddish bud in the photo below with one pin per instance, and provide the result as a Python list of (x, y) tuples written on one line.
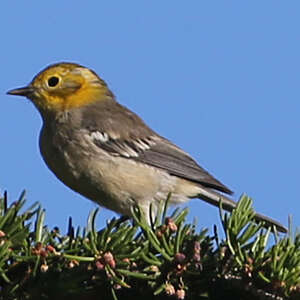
[(38, 246), (43, 252), (197, 247), (179, 257), (44, 268), (73, 263), (109, 259), (117, 286), (171, 225), (50, 248), (99, 265), (196, 257), (180, 294), (169, 289), (126, 260), (154, 269)]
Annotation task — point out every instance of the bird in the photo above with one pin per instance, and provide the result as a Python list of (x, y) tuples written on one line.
[(105, 152)]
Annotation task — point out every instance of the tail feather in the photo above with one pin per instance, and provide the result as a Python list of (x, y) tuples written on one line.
[(214, 198)]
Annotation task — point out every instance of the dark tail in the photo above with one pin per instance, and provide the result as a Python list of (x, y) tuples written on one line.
[(214, 198)]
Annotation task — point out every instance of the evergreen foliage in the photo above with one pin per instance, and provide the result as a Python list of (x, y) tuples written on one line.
[(167, 259)]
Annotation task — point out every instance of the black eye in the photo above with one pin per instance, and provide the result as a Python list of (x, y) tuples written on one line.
[(53, 81)]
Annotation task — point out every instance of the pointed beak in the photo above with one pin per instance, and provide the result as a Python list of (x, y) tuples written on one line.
[(23, 91)]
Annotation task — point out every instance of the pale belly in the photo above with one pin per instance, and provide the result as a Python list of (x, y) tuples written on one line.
[(114, 182)]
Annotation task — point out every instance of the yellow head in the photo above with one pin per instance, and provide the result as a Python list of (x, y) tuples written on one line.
[(63, 86)]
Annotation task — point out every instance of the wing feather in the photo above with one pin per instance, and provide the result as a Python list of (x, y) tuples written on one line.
[(161, 153), (135, 140)]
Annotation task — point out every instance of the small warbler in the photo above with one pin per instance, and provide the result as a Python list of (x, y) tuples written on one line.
[(105, 152)]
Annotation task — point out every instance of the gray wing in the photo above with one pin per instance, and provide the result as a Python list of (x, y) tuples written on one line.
[(135, 140), (161, 153), (169, 157)]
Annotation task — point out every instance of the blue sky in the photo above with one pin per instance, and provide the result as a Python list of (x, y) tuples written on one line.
[(220, 79)]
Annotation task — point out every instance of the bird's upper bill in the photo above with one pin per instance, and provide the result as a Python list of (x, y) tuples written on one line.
[(23, 91), (63, 86)]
